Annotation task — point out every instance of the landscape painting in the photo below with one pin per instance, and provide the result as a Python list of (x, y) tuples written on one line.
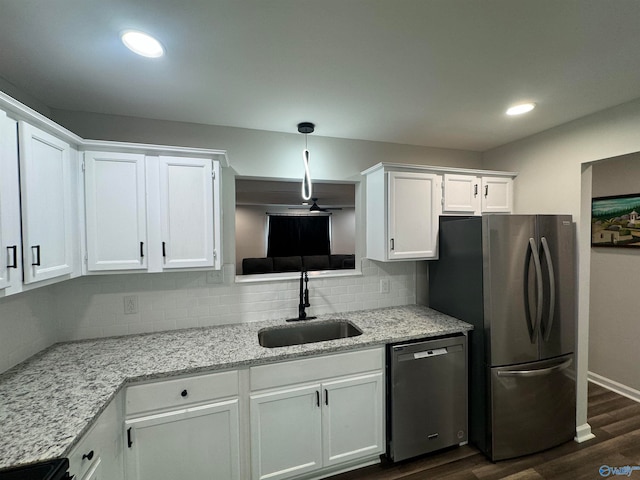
[(615, 221)]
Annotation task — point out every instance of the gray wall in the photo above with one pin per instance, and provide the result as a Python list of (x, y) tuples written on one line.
[(257, 153), (614, 329)]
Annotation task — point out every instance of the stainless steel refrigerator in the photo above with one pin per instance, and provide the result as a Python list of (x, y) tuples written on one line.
[(513, 278)]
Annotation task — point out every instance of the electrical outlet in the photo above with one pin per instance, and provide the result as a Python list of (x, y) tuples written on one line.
[(384, 285), (214, 276), (130, 304)]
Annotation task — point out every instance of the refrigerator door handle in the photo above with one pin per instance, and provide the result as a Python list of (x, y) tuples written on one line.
[(546, 332), (539, 300), (535, 373)]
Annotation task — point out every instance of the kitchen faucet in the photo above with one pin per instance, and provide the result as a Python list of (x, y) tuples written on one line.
[(304, 298)]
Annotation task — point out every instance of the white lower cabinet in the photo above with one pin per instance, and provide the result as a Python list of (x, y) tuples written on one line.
[(352, 418), (98, 455), (311, 427), (200, 443), (186, 427), (286, 436)]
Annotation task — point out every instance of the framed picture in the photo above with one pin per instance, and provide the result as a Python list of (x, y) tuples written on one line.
[(615, 221)]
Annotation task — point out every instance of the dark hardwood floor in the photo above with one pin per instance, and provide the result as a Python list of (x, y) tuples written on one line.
[(614, 419)]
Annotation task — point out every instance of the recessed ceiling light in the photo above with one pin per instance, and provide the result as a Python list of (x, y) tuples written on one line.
[(521, 108), (142, 44)]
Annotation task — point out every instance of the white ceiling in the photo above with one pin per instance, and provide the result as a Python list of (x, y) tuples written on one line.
[(422, 72)]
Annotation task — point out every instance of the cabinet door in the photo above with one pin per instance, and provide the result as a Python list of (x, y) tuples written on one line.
[(413, 208), (286, 433), (352, 418), (115, 211), (98, 454), (95, 472), (10, 240), (45, 179), (497, 194), (461, 194), (186, 209), (197, 443)]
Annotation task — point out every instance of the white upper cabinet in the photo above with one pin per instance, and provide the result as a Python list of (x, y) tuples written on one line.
[(497, 194), (186, 212), (461, 194), (413, 208), (10, 240), (151, 213), (115, 203), (475, 194), (47, 210), (402, 214), (404, 204)]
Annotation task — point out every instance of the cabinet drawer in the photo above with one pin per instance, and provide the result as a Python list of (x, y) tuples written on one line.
[(180, 392), (316, 368)]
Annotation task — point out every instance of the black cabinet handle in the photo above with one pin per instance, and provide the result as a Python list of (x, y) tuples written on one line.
[(14, 256), (317, 398), (393, 245), (486, 190), (184, 393), (326, 396), (129, 440), (164, 249), (141, 249), (37, 255), (475, 190), (88, 456)]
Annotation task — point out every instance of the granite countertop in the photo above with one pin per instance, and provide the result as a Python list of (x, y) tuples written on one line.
[(49, 401)]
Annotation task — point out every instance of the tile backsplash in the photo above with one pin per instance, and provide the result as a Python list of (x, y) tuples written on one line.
[(27, 325), (94, 306)]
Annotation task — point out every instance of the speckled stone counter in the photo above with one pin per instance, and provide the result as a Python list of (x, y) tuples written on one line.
[(49, 401)]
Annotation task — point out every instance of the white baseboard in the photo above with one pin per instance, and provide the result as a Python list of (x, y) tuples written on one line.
[(583, 433), (614, 386)]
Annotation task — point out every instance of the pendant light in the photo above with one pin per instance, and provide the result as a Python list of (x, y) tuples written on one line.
[(306, 128)]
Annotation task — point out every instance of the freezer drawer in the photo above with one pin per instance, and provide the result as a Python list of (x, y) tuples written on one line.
[(533, 406), (427, 396)]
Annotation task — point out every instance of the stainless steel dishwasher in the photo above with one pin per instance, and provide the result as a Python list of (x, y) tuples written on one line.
[(427, 396)]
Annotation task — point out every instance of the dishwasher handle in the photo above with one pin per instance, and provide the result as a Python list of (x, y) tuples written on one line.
[(427, 353)]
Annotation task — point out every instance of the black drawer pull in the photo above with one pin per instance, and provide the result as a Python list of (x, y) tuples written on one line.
[(141, 249), (14, 256), (37, 255), (184, 393), (164, 249), (88, 456)]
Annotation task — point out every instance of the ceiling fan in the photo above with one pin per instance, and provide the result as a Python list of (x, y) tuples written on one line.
[(315, 207)]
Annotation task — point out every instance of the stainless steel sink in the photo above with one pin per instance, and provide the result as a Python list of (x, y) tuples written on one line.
[(300, 333)]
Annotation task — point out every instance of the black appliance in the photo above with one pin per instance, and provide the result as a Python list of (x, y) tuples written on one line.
[(49, 470)]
